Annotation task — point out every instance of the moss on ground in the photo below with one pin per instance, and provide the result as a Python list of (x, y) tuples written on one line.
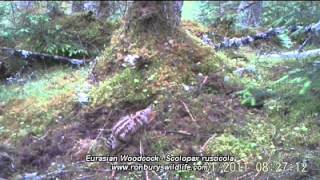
[(169, 63), (192, 88), (31, 107), (289, 131)]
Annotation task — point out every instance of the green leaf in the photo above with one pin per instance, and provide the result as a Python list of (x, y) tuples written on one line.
[(253, 101), (284, 78), (285, 40), (306, 87)]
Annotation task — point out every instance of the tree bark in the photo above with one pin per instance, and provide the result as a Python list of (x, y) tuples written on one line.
[(53, 9), (3, 70), (311, 30), (25, 5), (153, 16), (35, 56), (92, 6), (104, 10), (241, 41), (77, 6), (250, 13)]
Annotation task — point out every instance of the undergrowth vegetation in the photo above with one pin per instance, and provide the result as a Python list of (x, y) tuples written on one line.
[(32, 106), (80, 35), (207, 101), (281, 99), (289, 93), (112, 89)]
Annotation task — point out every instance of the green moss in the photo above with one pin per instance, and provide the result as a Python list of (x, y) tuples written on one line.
[(209, 66), (103, 65), (31, 107), (291, 106), (253, 142), (229, 144), (127, 86), (161, 146)]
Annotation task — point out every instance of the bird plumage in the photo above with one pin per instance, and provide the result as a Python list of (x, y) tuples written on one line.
[(127, 126)]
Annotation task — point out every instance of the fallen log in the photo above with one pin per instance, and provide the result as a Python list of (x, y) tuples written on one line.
[(237, 42), (36, 56), (294, 55), (313, 29)]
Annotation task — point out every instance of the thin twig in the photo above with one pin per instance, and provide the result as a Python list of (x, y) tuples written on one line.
[(85, 177), (156, 174), (181, 132), (304, 44), (64, 171), (204, 146), (203, 82), (256, 175), (100, 133), (141, 154), (245, 175), (247, 6), (42, 137), (5, 58), (113, 174), (188, 111)]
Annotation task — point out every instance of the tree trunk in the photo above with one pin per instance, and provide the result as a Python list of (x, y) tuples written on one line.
[(92, 6), (53, 9), (25, 5), (77, 6), (153, 16), (104, 10), (250, 13)]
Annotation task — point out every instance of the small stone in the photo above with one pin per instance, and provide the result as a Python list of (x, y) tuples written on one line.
[(316, 64), (251, 69), (226, 79), (187, 87), (83, 98), (25, 54), (239, 71), (131, 59), (32, 176)]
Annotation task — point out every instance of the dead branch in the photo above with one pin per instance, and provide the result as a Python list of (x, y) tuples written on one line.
[(237, 42), (188, 111), (113, 174), (100, 133), (304, 43), (247, 6), (204, 146), (312, 29), (36, 56), (181, 132), (294, 55), (245, 176), (141, 154), (203, 82), (156, 175)]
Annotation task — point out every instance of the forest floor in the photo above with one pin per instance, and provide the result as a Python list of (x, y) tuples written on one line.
[(262, 111)]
